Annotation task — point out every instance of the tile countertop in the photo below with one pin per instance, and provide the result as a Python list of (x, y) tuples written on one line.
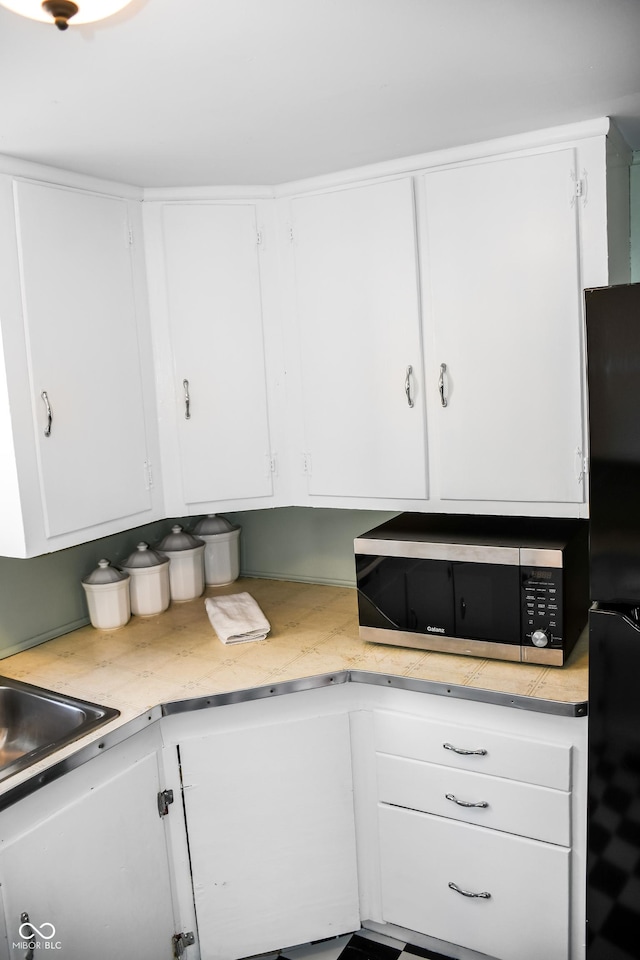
[(314, 630)]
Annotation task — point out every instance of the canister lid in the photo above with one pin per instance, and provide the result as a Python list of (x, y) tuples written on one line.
[(105, 573), (143, 556), (209, 526), (179, 539)]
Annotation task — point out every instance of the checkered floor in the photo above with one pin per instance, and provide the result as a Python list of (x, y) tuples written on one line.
[(361, 946)]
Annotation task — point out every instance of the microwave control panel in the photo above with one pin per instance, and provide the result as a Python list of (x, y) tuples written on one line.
[(542, 607)]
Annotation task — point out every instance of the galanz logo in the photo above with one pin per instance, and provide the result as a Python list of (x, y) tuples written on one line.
[(435, 629)]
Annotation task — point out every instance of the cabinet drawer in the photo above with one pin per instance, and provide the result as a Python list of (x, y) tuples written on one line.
[(487, 751), (526, 915), (511, 806)]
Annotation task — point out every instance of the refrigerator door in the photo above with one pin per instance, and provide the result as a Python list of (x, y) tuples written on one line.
[(613, 374), (613, 859)]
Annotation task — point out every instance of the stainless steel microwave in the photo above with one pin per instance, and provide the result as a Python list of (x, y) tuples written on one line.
[(510, 588)]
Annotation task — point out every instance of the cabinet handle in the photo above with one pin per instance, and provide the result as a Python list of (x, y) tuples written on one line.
[(465, 753), (407, 385), (26, 932), (443, 370), (47, 406), (466, 803), (468, 893), (187, 400)]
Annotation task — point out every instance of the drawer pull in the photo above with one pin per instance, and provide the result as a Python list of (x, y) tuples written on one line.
[(466, 803), (465, 753), (468, 893)]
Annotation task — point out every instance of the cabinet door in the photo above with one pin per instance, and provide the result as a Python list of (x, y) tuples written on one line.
[(271, 833), (217, 344), (504, 296), (93, 875), (510, 896), (84, 357), (359, 323)]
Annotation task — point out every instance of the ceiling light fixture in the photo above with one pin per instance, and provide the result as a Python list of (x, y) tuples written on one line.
[(60, 12)]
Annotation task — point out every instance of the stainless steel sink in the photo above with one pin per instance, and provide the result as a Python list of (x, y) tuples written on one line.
[(35, 722)]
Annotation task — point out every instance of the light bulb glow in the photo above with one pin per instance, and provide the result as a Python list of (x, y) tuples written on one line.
[(89, 12)]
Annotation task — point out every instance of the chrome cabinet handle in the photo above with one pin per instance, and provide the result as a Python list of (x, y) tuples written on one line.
[(187, 400), (465, 753), (443, 370), (466, 803), (467, 893), (407, 385), (47, 406)]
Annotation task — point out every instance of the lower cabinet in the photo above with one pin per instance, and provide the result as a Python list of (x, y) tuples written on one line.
[(495, 893), (269, 813), (84, 866), (475, 835), (301, 817)]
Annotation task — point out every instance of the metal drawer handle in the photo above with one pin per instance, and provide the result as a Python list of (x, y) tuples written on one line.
[(465, 753), (187, 400), (466, 803), (47, 406), (467, 893), (407, 385), (443, 370)]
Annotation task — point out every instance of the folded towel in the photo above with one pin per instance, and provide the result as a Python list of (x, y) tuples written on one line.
[(237, 618)]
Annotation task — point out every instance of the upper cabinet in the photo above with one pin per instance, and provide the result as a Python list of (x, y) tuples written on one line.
[(77, 378), (407, 336), (503, 293), (358, 315), (207, 309)]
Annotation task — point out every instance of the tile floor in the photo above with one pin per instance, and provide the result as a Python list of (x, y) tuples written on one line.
[(361, 946)]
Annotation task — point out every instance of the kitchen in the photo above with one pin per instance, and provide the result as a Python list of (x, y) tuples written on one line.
[(289, 542)]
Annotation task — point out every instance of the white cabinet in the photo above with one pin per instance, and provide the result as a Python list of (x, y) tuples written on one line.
[(77, 380), (476, 833), (85, 858), (358, 316), (269, 813), (504, 293), (207, 306)]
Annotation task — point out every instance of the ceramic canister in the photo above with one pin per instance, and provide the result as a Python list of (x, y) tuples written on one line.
[(222, 549), (107, 592), (149, 584), (186, 563)]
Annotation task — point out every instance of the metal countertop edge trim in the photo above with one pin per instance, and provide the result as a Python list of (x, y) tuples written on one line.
[(171, 708)]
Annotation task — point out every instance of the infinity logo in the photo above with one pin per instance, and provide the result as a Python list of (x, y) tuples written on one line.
[(28, 930)]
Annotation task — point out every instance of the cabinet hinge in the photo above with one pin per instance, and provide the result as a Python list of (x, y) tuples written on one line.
[(579, 188), (130, 237), (291, 235), (259, 237), (272, 465), (582, 465), (180, 942), (165, 797), (148, 475), (306, 463)]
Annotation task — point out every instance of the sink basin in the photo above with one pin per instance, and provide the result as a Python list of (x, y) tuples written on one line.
[(35, 722)]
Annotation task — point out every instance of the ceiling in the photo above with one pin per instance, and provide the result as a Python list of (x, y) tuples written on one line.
[(195, 92)]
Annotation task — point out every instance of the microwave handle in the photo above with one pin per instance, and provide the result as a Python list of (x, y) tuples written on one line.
[(443, 370)]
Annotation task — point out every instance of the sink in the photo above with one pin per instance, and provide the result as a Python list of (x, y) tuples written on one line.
[(35, 722)]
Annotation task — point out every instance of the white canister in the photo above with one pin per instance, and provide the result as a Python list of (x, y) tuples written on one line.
[(186, 563), (149, 584), (107, 592), (222, 549)]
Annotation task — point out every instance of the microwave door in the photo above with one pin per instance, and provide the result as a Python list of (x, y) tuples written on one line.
[(398, 593), (487, 601)]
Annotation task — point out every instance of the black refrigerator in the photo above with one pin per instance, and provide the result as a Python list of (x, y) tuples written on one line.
[(613, 858)]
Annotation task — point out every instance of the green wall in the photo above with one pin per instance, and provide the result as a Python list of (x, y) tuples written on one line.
[(42, 597)]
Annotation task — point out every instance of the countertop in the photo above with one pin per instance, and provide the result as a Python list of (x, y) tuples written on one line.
[(177, 656)]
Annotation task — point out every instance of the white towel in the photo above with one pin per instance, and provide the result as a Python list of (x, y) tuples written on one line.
[(237, 618)]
